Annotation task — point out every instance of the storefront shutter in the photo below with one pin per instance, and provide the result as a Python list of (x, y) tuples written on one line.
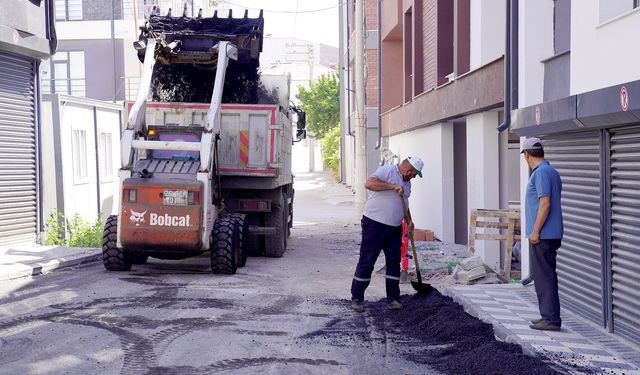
[(576, 156), (17, 150), (625, 231)]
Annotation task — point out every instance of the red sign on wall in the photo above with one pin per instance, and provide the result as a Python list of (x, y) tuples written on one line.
[(624, 99)]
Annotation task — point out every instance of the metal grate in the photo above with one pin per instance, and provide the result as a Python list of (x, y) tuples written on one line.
[(17, 151), (625, 231), (576, 156)]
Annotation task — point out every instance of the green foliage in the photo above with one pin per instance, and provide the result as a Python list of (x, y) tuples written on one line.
[(331, 150), (80, 233), (321, 102)]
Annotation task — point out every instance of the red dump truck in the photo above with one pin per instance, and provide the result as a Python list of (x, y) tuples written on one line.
[(204, 176)]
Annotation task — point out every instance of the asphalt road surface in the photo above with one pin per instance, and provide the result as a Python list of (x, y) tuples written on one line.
[(276, 316)]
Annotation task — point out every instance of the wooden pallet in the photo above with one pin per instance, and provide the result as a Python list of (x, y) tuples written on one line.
[(508, 222)]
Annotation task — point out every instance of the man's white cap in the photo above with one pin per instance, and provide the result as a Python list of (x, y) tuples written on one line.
[(417, 163), (532, 143)]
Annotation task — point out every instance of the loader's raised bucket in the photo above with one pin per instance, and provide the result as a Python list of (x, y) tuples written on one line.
[(187, 40)]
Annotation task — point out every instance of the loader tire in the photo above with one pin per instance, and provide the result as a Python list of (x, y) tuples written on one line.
[(113, 257), (243, 236), (225, 246), (139, 258), (275, 246)]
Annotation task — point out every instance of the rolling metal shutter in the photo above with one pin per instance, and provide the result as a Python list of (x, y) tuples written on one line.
[(625, 231), (17, 150), (576, 156)]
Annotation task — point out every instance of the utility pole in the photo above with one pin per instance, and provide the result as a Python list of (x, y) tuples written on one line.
[(311, 142), (361, 143)]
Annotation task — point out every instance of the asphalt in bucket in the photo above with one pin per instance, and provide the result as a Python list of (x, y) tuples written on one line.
[(435, 331)]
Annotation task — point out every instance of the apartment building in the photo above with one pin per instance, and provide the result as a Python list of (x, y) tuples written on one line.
[(579, 89), (347, 89), (440, 75), (27, 36)]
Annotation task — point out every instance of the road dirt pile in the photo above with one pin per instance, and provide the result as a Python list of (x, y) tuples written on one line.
[(438, 333), (456, 342)]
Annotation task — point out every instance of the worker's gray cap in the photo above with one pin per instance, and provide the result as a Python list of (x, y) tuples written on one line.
[(532, 143)]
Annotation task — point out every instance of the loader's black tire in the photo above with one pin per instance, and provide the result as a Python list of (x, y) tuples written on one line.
[(139, 258), (275, 246), (113, 257), (243, 236), (225, 246)]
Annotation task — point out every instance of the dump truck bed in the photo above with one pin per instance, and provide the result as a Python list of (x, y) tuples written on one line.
[(255, 139)]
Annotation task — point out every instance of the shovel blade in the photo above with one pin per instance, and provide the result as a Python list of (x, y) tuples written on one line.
[(421, 288)]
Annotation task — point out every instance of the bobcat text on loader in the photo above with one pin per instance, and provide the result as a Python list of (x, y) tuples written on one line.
[(196, 176)]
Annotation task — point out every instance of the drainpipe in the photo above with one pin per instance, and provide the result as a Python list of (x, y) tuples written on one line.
[(508, 87), (379, 142), (348, 72)]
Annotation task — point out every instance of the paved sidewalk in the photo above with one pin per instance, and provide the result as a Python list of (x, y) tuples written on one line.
[(31, 260), (509, 308)]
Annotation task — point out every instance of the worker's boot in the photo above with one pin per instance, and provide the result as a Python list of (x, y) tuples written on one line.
[(357, 305), (394, 305)]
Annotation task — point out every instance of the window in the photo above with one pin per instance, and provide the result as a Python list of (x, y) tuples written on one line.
[(612, 8), (68, 10), (64, 74), (79, 155), (106, 156)]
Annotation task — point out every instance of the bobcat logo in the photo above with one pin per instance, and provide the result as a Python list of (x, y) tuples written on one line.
[(137, 217)]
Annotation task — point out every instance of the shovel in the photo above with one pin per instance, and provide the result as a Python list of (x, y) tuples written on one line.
[(419, 286)]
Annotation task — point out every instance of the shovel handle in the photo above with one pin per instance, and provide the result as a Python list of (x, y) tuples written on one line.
[(407, 218)]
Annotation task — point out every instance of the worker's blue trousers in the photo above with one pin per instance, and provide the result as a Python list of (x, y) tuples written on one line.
[(376, 237)]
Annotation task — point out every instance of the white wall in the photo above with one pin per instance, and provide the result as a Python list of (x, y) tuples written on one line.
[(483, 180), (524, 179), (80, 195), (48, 160), (535, 44), (431, 200), (109, 122), (604, 54), (487, 24)]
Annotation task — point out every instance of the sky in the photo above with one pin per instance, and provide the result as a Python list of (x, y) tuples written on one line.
[(312, 20)]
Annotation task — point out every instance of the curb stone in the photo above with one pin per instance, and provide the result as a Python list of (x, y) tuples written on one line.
[(44, 267)]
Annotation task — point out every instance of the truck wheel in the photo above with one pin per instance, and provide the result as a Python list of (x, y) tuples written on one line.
[(243, 236), (113, 257), (225, 246), (139, 258), (275, 246)]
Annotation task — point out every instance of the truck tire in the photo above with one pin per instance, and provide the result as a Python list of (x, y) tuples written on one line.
[(243, 236), (113, 257), (139, 258), (275, 246), (225, 246)]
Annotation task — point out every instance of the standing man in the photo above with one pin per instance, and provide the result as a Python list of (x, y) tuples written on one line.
[(382, 229), (543, 213)]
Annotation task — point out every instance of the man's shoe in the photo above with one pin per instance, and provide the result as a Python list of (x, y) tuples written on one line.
[(536, 321), (394, 305), (357, 305), (544, 326), (527, 282)]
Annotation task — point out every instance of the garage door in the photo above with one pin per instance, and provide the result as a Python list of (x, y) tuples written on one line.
[(576, 156), (17, 150), (625, 231)]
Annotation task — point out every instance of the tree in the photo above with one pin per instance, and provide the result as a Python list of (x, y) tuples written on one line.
[(321, 102)]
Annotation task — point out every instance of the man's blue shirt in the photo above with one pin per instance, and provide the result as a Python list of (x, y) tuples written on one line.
[(544, 182)]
